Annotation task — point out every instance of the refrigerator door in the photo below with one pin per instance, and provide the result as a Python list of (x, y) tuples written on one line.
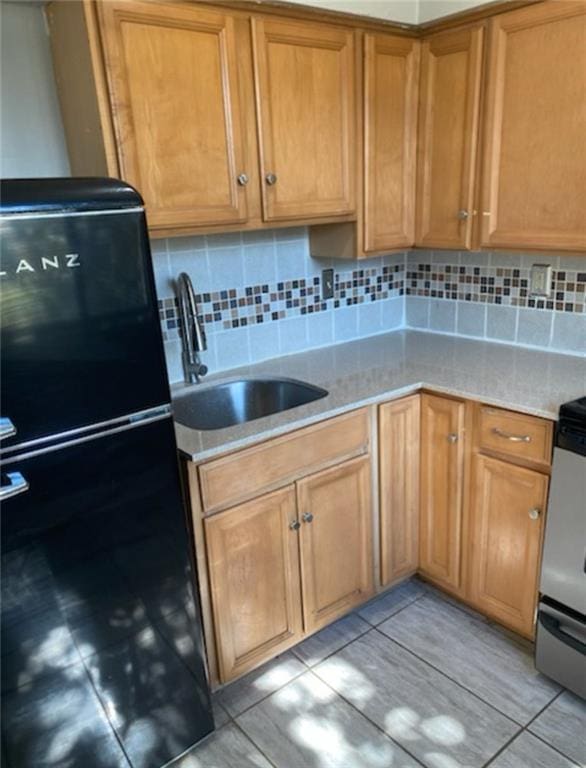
[(102, 658), (80, 332)]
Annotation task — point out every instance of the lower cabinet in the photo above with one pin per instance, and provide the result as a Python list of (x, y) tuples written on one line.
[(507, 518), (398, 426), (336, 541), (283, 565), (253, 562), (463, 491), (442, 489)]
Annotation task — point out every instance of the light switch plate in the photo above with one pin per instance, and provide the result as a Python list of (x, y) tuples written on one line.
[(327, 278), (540, 282)]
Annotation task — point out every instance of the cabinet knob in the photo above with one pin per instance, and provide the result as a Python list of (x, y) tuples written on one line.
[(242, 179), (307, 517), (534, 513), (271, 178), (295, 525), (452, 437), (463, 214)]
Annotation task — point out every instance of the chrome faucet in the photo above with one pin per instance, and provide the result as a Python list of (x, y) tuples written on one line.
[(193, 338)]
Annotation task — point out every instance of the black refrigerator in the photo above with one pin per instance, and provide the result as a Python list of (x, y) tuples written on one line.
[(102, 661)]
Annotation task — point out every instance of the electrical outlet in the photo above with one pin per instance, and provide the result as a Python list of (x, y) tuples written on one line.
[(327, 282), (540, 282)]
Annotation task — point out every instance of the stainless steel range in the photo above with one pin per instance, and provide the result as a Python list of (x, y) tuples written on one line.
[(561, 627)]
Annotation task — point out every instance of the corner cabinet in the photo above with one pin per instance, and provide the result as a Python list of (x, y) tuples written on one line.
[(449, 108), (173, 79), (399, 447), (442, 490), (534, 168), (305, 98)]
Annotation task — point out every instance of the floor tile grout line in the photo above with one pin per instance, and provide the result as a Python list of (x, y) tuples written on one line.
[(329, 655), (456, 682), (541, 738), (253, 742), (453, 602), (553, 747), (354, 612), (434, 592), (524, 729), (395, 613), (366, 717), (307, 667), (233, 717)]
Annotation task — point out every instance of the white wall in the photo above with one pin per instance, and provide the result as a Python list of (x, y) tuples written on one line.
[(403, 11), (433, 9), (32, 141)]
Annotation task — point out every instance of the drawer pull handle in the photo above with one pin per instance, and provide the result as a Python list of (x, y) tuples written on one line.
[(307, 517), (534, 513), (508, 436), (295, 525), (452, 437)]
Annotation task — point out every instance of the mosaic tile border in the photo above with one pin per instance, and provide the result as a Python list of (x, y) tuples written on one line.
[(270, 302), (505, 286)]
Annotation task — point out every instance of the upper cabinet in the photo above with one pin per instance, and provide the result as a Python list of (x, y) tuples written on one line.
[(172, 98), (388, 135), (391, 71), (172, 76), (305, 96), (449, 105), (233, 116), (534, 166)]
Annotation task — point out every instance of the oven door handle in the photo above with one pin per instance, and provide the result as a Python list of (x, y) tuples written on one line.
[(553, 625)]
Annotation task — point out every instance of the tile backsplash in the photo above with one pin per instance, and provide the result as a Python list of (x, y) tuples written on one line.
[(260, 296), (486, 295)]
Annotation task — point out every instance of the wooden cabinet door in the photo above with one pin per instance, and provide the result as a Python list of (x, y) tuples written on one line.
[(391, 72), (508, 505), (336, 541), (304, 78), (399, 448), (449, 103), (253, 561), (534, 164), (442, 489), (173, 81)]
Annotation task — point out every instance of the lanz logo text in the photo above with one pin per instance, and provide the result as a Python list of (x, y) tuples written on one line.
[(45, 264)]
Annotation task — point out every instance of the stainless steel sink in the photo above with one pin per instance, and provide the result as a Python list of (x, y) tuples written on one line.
[(216, 406)]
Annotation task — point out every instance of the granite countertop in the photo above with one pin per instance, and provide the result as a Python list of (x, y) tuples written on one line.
[(391, 365)]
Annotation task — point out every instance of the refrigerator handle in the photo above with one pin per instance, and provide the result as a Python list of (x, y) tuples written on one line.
[(7, 428), (16, 484), (552, 624)]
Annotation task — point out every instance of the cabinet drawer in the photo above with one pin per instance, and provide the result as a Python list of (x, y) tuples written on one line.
[(515, 435), (275, 463)]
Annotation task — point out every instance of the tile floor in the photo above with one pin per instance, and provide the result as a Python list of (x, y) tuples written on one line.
[(411, 679)]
